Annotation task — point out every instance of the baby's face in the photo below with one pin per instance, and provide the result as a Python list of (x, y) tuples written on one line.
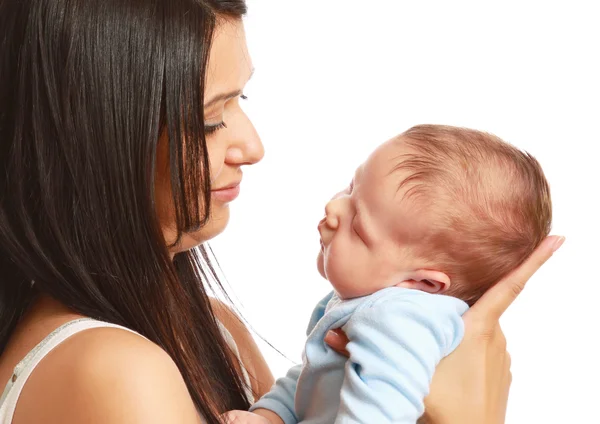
[(369, 231)]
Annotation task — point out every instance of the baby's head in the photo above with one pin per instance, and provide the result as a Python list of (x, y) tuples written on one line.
[(440, 209)]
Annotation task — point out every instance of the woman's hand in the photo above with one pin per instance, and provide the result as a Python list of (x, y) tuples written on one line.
[(471, 385)]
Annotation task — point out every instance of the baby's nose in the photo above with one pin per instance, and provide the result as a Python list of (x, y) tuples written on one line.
[(331, 215)]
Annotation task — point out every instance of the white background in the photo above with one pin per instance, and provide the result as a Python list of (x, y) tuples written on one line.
[(336, 78)]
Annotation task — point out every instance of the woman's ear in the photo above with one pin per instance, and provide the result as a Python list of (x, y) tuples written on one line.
[(426, 280)]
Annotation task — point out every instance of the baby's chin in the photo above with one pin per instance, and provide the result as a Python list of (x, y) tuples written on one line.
[(321, 264)]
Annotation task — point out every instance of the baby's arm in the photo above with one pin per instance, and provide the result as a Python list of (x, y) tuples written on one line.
[(395, 345), (280, 399), (272, 417)]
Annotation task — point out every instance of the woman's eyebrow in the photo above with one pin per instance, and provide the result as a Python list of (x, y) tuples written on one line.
[(225, 96)]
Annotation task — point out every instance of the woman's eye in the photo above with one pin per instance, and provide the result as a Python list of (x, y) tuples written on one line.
[(209, 129)]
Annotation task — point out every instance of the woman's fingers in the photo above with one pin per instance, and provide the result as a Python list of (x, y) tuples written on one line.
[(337, 340), (497, 299)]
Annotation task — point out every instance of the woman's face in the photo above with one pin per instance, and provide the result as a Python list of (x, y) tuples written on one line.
[(231, 138)]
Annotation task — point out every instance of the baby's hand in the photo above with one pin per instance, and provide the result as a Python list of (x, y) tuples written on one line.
[(244, 417)]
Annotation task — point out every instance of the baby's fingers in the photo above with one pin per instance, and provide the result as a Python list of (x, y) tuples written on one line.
[(242, 417), (337, 340)]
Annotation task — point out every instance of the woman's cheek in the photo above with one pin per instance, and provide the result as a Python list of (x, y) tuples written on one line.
[(216, 159)]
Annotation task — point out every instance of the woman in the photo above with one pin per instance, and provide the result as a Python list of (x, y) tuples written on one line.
[(121, 145)]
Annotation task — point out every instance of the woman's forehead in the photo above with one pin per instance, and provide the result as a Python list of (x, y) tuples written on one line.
[(229, 64)]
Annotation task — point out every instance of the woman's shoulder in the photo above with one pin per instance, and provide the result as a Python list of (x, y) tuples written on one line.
[(106, 375)]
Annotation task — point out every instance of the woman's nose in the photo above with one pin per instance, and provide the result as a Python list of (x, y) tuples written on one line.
[(246, 147)]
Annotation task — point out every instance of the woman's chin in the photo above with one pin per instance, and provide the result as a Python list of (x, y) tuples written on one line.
[(215, 226)]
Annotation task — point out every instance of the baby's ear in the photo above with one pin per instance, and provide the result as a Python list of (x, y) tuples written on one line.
[(426, 280)]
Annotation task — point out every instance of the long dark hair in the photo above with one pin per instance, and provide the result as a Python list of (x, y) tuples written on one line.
[(86, 90)]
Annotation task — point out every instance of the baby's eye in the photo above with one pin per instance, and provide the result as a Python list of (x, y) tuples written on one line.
[(354, 227)]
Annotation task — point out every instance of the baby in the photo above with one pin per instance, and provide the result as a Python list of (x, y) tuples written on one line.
[(430, 221)]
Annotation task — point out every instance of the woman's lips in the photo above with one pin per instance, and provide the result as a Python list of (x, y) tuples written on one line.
[(226, 194)]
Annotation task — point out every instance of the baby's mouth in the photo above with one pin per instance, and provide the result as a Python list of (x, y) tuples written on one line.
[(322, 246)]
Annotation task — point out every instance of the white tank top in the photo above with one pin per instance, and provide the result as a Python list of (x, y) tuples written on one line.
[(23, 370)]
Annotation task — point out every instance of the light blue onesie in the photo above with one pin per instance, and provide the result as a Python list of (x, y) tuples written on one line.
[(397, 337)]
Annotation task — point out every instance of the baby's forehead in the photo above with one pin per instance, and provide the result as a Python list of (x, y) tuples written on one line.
[(384, 165), (394, 171), (382, 189)]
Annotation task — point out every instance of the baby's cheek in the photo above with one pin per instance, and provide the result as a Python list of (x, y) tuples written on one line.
[(343, 269)]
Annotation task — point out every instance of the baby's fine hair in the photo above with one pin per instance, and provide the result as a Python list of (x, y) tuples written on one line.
[(489, 203)]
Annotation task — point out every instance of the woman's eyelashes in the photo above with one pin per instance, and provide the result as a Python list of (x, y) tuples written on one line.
[(210, 129)]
